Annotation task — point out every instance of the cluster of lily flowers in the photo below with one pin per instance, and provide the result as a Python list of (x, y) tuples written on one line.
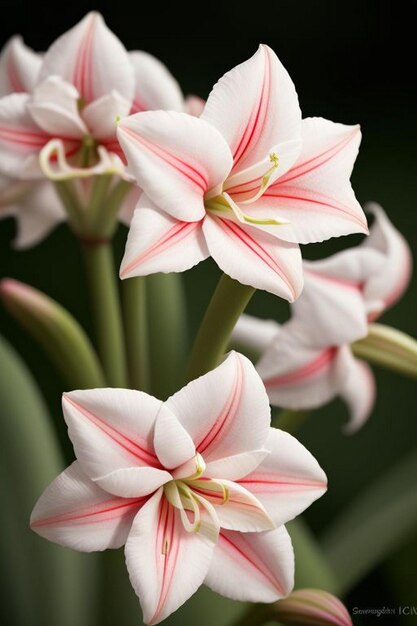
[(198, 488)]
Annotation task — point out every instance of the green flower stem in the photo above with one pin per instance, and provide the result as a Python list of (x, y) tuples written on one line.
[(389, 348), (136, 332), (106, 218), (98, 201), (167, 332), (75, 212), (105, 307), (290, 421), (227, 304)]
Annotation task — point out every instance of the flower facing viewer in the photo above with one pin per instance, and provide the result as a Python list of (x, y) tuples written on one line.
[(245, 183), (197, 487)]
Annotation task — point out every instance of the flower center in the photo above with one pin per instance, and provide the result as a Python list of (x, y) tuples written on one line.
[(223, 204)]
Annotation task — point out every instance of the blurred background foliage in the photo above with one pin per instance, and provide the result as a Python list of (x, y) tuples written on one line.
[(351, 62)]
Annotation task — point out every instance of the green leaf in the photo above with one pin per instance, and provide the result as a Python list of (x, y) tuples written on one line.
[(45, 584), (374, 525)]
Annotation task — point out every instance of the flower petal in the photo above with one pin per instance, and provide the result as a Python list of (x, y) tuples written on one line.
[(20, 138), (158, 242), (172, 443), (236, 507), (19, 67), (54, 108), (37, 213), (226, 411), (297, 376), (255, 107), (255, 333), (166, 564), (288, 480), (389, 283), (102, 115), (255, 258), (315, 195), (92, 58), (256, 567), (235, 466), (133, 482), (111, 429), (175, 158), (357, 389), (76, 513), (155, 87)]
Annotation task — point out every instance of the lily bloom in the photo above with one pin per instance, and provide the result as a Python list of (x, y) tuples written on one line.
[(34, 204), (197, 487), (308, 361), (244, 183)]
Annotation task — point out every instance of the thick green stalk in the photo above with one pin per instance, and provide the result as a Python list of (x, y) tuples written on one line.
[(288, 420), (136, 332), (227, 304), (167, 332), (105, 307)]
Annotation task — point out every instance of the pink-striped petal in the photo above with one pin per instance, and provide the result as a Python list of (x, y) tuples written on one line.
[(357, 389), (111, 429), (252, 567), (76, 513), (158, 242), (389, 283), (20, 138), (255, 107), (297, 376), (172, 443), (254, 257), (226, 411), (175, 158), (92, 58), (288, 480), (315, 196), (101, 116), (54, 107), (166, 564), (155, 87), (19, 67), (255, 333), (133, 482), (236, 507)]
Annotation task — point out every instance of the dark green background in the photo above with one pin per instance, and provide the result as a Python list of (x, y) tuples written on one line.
[(351, 62)]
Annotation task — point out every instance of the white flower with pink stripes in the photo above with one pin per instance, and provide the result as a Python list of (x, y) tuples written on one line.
[(197, 487), (62, 109), (308, 361), (245, 183)]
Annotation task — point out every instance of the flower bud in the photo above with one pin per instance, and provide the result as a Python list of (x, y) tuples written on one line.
[(311, 607)]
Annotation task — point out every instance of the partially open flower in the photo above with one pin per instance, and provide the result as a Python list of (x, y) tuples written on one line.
[(308, 361), (197, 487), (313, 607)]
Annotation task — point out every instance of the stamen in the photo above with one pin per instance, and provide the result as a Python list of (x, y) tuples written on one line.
[(107, 163), (224, 205), (274, 159)]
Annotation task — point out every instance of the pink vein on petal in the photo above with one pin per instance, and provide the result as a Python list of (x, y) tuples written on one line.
[(257, 117), (23, 137), (82, 78), (132, 447), (343, 282), (108, 510), (312, 368), (257, 249), (177, 233), (227, 415), (187, 170), (250, 557), (167, 548)]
